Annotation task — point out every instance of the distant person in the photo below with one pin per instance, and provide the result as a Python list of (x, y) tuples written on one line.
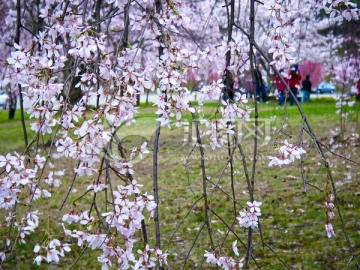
[(294, 81), (296, 66), (281, 87), (306, 89), (260, 86), (248, 85), (357, 94)]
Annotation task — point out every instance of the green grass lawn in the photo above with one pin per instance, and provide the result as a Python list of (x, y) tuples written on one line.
[(292, 221)]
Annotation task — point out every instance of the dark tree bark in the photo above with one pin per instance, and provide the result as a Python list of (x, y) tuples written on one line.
[(12, 109)]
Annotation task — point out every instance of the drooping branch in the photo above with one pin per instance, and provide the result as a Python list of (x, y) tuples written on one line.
[(228, 76), (98, 29), (158, 7), (70, 188), (17, 41), (252, 180)]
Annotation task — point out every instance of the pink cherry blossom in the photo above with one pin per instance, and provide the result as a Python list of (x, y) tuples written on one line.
[(329, 230)]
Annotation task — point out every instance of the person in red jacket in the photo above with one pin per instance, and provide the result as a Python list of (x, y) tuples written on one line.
[(357, 94), (294, 81), (281, 88)]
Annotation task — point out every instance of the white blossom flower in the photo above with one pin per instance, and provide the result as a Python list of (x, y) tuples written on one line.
[(329, 230), (52, 255), (234, 248), (38, 259)]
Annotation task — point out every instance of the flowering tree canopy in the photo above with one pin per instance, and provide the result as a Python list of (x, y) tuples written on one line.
[(82, 66)]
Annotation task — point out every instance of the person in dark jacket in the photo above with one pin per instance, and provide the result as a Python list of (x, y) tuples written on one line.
[(294, 81), (260, 85), (306, 89)]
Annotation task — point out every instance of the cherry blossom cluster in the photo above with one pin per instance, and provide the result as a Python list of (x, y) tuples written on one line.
[(20, 183), (329, 206), (26, 226), (224, 261), (329, 229), (338, 9), (285, 24), (249, 215), (212, 69), (125, 218), (50, 252), (211, 92), (346, 71), (19, 177), (231, 111), (171, 74), (117, 79), (236, 110), (279, 37), (239, 50), (216, 130), (288, 154), (43, 93), (344, 105)]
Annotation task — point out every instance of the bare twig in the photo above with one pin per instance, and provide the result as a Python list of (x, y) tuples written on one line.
[(301, 157), (216, 186), (187, 168), (311, 185), (182, 220), (243, 159), (338, 155), (70, 188), (231, 173), (204, 179), (193, 243)]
